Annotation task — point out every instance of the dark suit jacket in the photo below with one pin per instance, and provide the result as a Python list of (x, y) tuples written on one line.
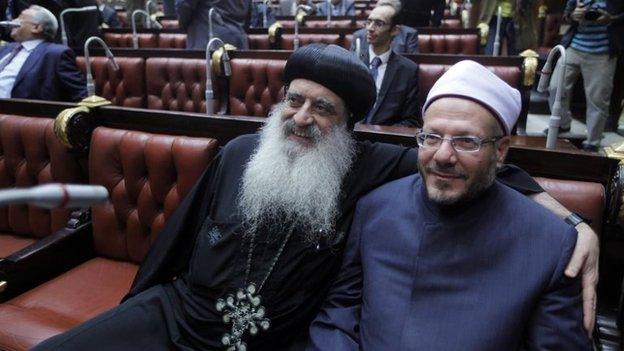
[(406, 42), (397, 101), (109, 16), (418, 13), (49, 73)]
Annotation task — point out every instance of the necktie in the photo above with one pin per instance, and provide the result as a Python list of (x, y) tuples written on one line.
[(11, 56), (374, 71), (375, 67)]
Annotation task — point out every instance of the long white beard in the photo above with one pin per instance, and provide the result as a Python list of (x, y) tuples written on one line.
[(290, 184)]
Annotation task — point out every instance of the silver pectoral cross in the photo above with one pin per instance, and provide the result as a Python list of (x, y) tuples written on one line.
[(245, 313)]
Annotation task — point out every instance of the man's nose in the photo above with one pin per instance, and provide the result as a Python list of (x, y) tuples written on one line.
[(303, 117), (445, 154)]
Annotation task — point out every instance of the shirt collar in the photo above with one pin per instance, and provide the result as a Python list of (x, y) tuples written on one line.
[(101, 7), (30, 45), (383, 57)]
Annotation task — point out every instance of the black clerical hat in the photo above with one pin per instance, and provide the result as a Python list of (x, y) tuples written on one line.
[(338, 70)]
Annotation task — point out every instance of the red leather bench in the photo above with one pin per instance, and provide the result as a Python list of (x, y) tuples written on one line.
[(125, 87), (124, 40), (255, 86), (176, 84), (287, 40), (172, 40), (147, 176), (30, 155)]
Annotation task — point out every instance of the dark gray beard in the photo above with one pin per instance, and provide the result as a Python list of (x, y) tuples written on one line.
[(295, 185)]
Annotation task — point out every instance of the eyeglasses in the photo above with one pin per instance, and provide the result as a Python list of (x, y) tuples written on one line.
[(468, 143), (376, 23)]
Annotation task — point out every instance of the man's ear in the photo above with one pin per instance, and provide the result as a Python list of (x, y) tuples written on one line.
[(502, 146), (37, 29), (395, 30)]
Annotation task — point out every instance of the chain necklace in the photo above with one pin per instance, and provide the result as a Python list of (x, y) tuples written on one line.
[(243, 310)]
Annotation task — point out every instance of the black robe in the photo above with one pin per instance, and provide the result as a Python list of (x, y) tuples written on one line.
[(201, 255)]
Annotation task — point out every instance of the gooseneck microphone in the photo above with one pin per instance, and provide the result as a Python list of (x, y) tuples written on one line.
[(55, 195)]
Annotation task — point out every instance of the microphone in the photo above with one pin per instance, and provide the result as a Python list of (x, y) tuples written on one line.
[(55, 195), (10, 24)]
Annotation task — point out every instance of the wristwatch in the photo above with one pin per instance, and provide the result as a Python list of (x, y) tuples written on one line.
[(575, 219)]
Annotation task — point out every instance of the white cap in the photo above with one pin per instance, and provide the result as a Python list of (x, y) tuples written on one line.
[(470, 80)]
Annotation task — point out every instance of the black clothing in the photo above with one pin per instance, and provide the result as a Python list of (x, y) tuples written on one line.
[(418, 13), (200, 256)]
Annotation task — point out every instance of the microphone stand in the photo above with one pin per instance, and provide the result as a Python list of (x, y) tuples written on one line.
[(209, 93), (109, 55), (555, 115)]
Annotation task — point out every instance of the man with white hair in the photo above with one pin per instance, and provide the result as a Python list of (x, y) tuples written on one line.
[(33, 67), (449, 259), (247, 258)]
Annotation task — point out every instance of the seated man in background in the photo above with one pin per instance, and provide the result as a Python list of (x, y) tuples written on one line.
[(35, 68), (396, 77), (109, 15), (450, 259), (404, 42), (337, 7)]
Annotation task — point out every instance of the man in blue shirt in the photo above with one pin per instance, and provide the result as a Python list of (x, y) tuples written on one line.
[(594, 42)]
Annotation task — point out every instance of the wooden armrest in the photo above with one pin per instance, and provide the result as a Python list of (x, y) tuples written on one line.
[(46, 258)]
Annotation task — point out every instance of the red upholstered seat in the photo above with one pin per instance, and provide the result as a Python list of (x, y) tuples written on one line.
[(287, 42), (255, 86), (172, 40), (259, 42), (585, 198), (30, 154), (457, 44), (169, 23), (176, 84), (125, 87), (147, 176), (124, 40)]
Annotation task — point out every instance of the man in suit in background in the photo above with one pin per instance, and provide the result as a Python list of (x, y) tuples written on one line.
[(396, 78), (338, 8), (109, 15), (35, 68), (405, 42), (422, 13)]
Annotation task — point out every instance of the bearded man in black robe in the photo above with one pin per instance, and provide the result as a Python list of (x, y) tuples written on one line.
[(246, 260)]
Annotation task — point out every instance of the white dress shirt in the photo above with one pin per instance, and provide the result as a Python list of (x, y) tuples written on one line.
[(381, 70), (9, 73)]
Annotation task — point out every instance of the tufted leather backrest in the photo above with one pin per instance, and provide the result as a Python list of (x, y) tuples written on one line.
[(428, 74), (147, 176), (30, 154), (259, 42), (586, 198), (287, 42), (255, 86), (457, 44), (125, 87), (176, 84), (124, 40), (172, 40), (450, 23), (169, 23)]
